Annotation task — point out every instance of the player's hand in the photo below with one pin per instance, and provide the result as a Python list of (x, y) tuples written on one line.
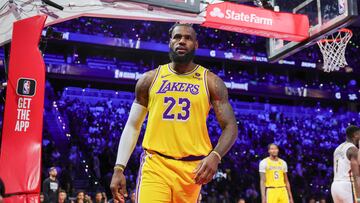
[(263, 200), (291, 200), (206, 169), (118, 186)]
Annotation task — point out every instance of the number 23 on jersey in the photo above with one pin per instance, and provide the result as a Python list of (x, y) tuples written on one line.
[(169, 113)]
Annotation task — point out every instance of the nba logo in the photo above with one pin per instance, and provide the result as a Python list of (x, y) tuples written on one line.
[(26, 87), (342, 6)]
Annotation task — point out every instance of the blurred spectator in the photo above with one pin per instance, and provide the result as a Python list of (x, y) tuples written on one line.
[(80, 197), (251, 193), (41, 197), (51, 187), (100, 197), (87, 199), (241, 200), (312, 200), (63, 197)]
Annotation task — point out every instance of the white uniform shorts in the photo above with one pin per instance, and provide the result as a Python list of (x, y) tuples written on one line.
[(342, 192)]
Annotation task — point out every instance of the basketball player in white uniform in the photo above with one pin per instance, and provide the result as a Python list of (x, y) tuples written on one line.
[(346, 185)]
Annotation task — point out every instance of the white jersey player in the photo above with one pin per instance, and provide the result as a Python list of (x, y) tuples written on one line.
[(346, 184)]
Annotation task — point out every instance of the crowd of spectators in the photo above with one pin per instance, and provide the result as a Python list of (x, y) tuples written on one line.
[(279, 79), (159, 32), (306, 143), (209, 38), (228, 74)]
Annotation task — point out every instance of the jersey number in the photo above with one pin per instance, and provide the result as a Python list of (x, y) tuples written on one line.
[(276, 175), (185, 109)]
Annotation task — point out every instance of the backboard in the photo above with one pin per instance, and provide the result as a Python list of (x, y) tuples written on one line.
[(325, 17)]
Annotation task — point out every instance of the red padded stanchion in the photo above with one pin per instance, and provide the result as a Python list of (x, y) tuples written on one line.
[(20, 157)]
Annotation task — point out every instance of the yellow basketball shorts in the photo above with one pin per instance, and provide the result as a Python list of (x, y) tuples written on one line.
[(163, 180), (277, 195)]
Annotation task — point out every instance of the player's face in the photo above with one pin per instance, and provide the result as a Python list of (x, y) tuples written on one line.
[(357, 136), (183, 44), (273, 150)]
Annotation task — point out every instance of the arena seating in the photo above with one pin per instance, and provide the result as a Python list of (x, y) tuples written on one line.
[(228, 75), (96, 119), (208, 38)]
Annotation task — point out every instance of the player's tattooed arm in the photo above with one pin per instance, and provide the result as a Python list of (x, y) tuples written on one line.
[(226, 118), (224, 113), (352, 155), (142, 88)]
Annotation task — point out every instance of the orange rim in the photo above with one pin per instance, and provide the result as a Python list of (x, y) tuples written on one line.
[(336, 40)]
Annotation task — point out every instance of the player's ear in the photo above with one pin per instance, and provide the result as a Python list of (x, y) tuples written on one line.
[(196, 44)]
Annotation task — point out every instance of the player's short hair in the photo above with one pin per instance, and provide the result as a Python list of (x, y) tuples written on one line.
[(62, 191), (181, 24), (52, 168), (350, 130), (272, 144)]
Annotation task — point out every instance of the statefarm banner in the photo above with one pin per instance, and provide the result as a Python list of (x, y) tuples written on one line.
[(257, 21), (20, 158)]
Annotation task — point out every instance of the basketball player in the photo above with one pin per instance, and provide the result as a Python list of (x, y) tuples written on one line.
[(346, 169), (274, 182), (178, 157)]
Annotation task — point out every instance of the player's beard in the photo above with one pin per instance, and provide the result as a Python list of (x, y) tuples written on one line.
[(184, 59)]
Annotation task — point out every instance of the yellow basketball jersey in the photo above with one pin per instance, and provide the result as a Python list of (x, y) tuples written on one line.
[(178, 108), (274, 173)]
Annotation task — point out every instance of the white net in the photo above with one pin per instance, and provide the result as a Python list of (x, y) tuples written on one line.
[(333, 49)]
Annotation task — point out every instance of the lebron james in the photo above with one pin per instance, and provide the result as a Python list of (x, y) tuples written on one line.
[(178, 156)]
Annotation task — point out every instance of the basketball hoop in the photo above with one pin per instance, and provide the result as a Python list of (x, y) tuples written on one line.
[(333, 49)]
